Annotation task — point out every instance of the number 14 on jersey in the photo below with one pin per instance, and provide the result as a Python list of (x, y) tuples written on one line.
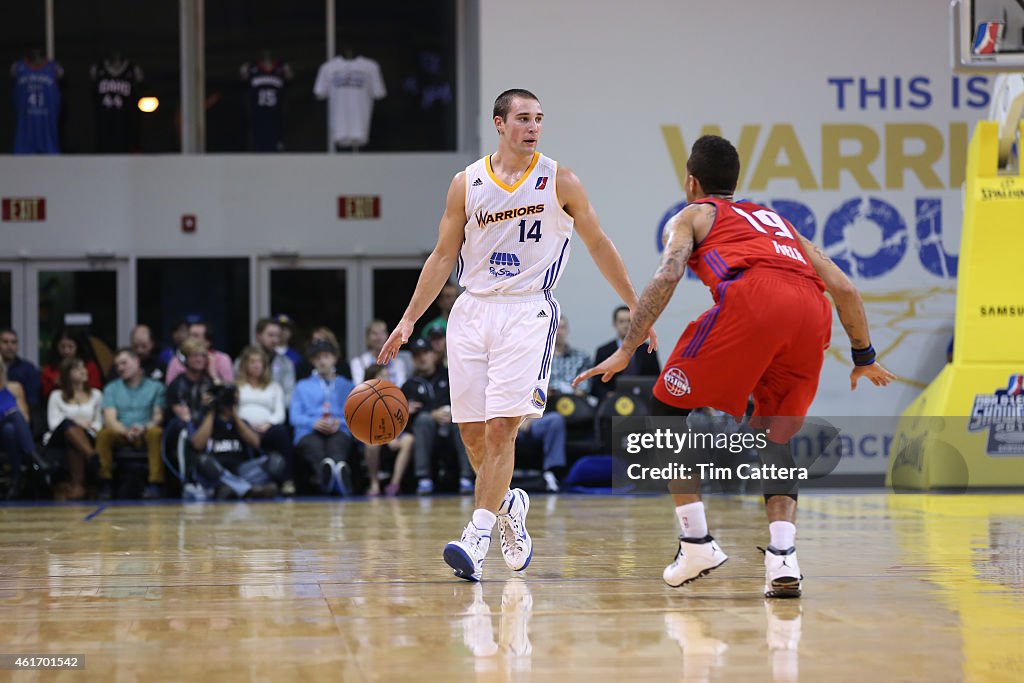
[(533, 234)]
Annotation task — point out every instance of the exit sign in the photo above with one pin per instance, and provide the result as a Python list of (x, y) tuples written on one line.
[(24, 209), (359, 206)]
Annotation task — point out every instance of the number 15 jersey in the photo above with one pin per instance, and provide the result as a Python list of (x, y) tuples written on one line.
[(517, 236)]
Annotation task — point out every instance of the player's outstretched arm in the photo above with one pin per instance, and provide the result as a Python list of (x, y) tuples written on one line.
[(600, 246), (850, 308), (656, 295), (436, 269)]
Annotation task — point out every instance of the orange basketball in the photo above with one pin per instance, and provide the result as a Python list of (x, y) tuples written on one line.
[(376, 412)]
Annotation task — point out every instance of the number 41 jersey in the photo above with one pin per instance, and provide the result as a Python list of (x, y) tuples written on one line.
[(517, 236), (37, 105)]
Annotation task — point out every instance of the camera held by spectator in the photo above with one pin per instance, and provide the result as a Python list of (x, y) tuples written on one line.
[(225, 397)]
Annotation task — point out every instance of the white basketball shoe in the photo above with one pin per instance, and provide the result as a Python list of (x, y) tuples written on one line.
[(781, 573), (466, 556), (694, 559), (516, 544)]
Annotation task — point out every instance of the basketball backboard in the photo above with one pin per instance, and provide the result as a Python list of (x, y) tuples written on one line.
[(987, 35)]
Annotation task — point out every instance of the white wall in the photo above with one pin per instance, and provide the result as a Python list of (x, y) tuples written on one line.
[(244, 204)]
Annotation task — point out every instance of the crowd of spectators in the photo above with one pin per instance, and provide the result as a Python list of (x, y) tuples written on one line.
[(270, 422)]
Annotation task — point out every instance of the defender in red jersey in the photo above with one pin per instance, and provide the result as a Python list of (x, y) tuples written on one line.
[(766, 335)]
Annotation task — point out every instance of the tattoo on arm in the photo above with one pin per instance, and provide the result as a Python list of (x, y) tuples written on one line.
[(657, 293), (856, 341), (821, 254)]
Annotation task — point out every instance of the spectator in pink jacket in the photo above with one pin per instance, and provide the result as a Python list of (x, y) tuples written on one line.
[(219, 367)]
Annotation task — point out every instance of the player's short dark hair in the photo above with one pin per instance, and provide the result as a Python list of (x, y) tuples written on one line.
[(615, 313), (504, 101), (715, 164)]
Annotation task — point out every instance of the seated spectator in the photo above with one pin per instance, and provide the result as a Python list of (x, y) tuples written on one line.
[(566, 363), (132, 413), (376, 334), (15, 434), (179, 333), (445, 300), (642, 362), (401, 445), (225, 444), (186, 393), (74, 416), (149, 355), (547, 432), (20, 370), (282, 370), (67, 344), (219, 368), (317, 414), (324, 334), (430, 414), (261, 405), (284, 348)]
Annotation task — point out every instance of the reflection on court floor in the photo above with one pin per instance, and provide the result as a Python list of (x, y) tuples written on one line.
[(897, 587)]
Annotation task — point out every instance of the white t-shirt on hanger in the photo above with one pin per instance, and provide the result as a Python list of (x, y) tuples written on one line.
[(351, 86)]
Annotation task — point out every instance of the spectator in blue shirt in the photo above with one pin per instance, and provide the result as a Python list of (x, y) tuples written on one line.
[(18, 369), (317, 414)]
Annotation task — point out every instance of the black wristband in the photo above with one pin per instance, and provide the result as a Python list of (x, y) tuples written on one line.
[(863, 356)]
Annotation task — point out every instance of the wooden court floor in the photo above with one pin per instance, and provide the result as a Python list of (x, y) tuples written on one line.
[(897, 588)]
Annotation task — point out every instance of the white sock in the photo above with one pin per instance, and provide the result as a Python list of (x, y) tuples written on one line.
[(783, 535), (692, 520), (506, 505), (484, 519)]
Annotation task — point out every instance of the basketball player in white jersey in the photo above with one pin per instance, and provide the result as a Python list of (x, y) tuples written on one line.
[(507, 227)]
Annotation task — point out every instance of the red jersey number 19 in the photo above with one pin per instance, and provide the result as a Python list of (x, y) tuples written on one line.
[(763, 218)]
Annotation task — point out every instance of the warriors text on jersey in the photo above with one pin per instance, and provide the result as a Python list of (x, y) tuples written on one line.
[(517, 236)]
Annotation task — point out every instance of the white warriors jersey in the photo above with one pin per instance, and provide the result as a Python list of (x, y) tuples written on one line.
[(517, 236)]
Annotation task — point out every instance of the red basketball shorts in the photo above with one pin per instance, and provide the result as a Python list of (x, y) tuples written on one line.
[(766, 337)]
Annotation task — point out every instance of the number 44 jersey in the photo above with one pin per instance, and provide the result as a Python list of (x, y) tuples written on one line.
[(117, 113), (517, 236)]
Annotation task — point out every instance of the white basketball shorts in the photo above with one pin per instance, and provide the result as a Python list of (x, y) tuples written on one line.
[(499, 355)]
